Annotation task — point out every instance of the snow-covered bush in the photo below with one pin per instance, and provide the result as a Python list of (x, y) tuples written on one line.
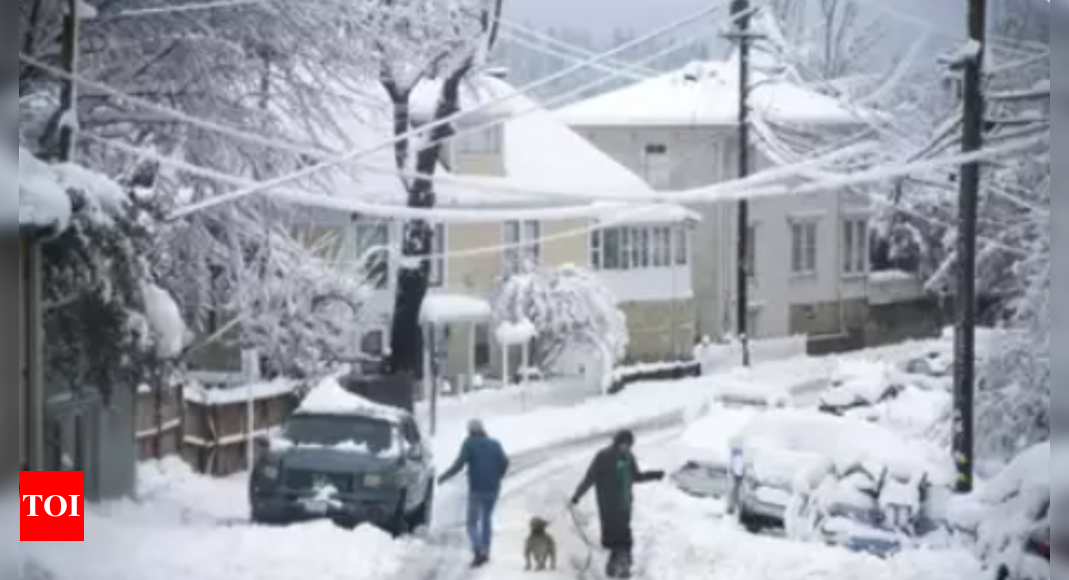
[(108, 322), (570, 308)]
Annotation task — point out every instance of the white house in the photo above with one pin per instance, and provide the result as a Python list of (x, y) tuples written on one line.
[(810, 263), (506, 197)]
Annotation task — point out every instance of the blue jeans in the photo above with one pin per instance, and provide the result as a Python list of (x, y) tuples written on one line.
[(481, 521)]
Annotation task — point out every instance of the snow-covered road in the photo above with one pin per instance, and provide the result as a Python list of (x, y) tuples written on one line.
[(187, 526)]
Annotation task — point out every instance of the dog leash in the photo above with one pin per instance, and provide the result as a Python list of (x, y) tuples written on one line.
[(585, 567)]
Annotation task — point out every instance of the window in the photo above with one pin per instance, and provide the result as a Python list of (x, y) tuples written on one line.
[(523, 241), (438, 251), (485, 141), (662, 247), (855, 246), (612, 250), (657, 166), (372, 251), (639, 248), (681, 246), (804, 248)]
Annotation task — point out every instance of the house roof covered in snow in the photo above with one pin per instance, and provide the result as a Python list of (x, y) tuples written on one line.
[(544, 159), (43, 203), (706, 94)]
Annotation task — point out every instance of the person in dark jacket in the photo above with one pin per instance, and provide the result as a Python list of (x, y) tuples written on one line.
[(487, 464), (613, 474)]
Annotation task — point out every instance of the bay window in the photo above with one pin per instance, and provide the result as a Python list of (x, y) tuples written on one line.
[(639, 248)]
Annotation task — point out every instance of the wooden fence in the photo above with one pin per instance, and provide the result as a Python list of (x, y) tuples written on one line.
[(207, 427)]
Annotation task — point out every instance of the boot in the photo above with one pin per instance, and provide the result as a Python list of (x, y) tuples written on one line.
[(613, 567), (624, 564)]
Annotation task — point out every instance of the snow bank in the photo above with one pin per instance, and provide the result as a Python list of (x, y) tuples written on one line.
[(717, 357), (169, 491), (42, 201), (454, 309), (117, 548)]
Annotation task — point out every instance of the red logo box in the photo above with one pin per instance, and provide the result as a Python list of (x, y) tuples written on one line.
[(53, 506)]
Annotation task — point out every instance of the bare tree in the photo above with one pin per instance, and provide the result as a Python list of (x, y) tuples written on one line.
[(437, 44), (834, 38)]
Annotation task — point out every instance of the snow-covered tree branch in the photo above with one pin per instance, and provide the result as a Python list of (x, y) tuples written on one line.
[(300, 306)]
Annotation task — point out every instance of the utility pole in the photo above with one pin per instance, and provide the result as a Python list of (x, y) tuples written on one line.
[(972, 139), (68, 96), (740, 10)]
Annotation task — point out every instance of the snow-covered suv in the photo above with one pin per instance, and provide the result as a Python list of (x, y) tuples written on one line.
[(344, 458)]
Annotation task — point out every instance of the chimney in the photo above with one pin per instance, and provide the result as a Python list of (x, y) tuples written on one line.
[(498, 72)]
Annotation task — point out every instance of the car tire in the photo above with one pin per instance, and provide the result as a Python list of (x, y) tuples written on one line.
[(750, 522), (398, 524), (424, 515)]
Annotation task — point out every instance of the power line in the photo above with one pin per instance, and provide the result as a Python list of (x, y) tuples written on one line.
[(617, 219), (575, 53), (728, 191), (357, 154)]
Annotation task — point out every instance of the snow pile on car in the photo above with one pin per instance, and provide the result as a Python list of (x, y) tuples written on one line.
[(843, 441), (330, 398), (857, 383)]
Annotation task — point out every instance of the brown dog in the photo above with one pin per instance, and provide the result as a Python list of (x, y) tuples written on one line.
[(541, 548)]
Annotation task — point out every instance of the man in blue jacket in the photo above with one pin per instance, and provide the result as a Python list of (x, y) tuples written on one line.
[(487, 464)]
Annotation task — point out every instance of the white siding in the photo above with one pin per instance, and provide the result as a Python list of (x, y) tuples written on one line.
[(703, 156)]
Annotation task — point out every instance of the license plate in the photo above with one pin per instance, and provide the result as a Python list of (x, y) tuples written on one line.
[(373, 481), (316, 507)]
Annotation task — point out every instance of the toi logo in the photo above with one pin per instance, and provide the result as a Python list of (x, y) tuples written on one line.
[(53, 506)]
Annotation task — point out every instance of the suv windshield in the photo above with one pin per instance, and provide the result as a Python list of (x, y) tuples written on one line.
[(332, 431)]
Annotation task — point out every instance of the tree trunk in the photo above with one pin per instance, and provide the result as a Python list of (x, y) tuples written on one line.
[(406, 339), (417, 244)]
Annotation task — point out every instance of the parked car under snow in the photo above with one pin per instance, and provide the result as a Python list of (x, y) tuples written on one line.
[(344, 458), (849, 393), (779, 445), (869, 505)]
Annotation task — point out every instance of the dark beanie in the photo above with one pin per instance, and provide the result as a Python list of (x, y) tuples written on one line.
[(624, 438)]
